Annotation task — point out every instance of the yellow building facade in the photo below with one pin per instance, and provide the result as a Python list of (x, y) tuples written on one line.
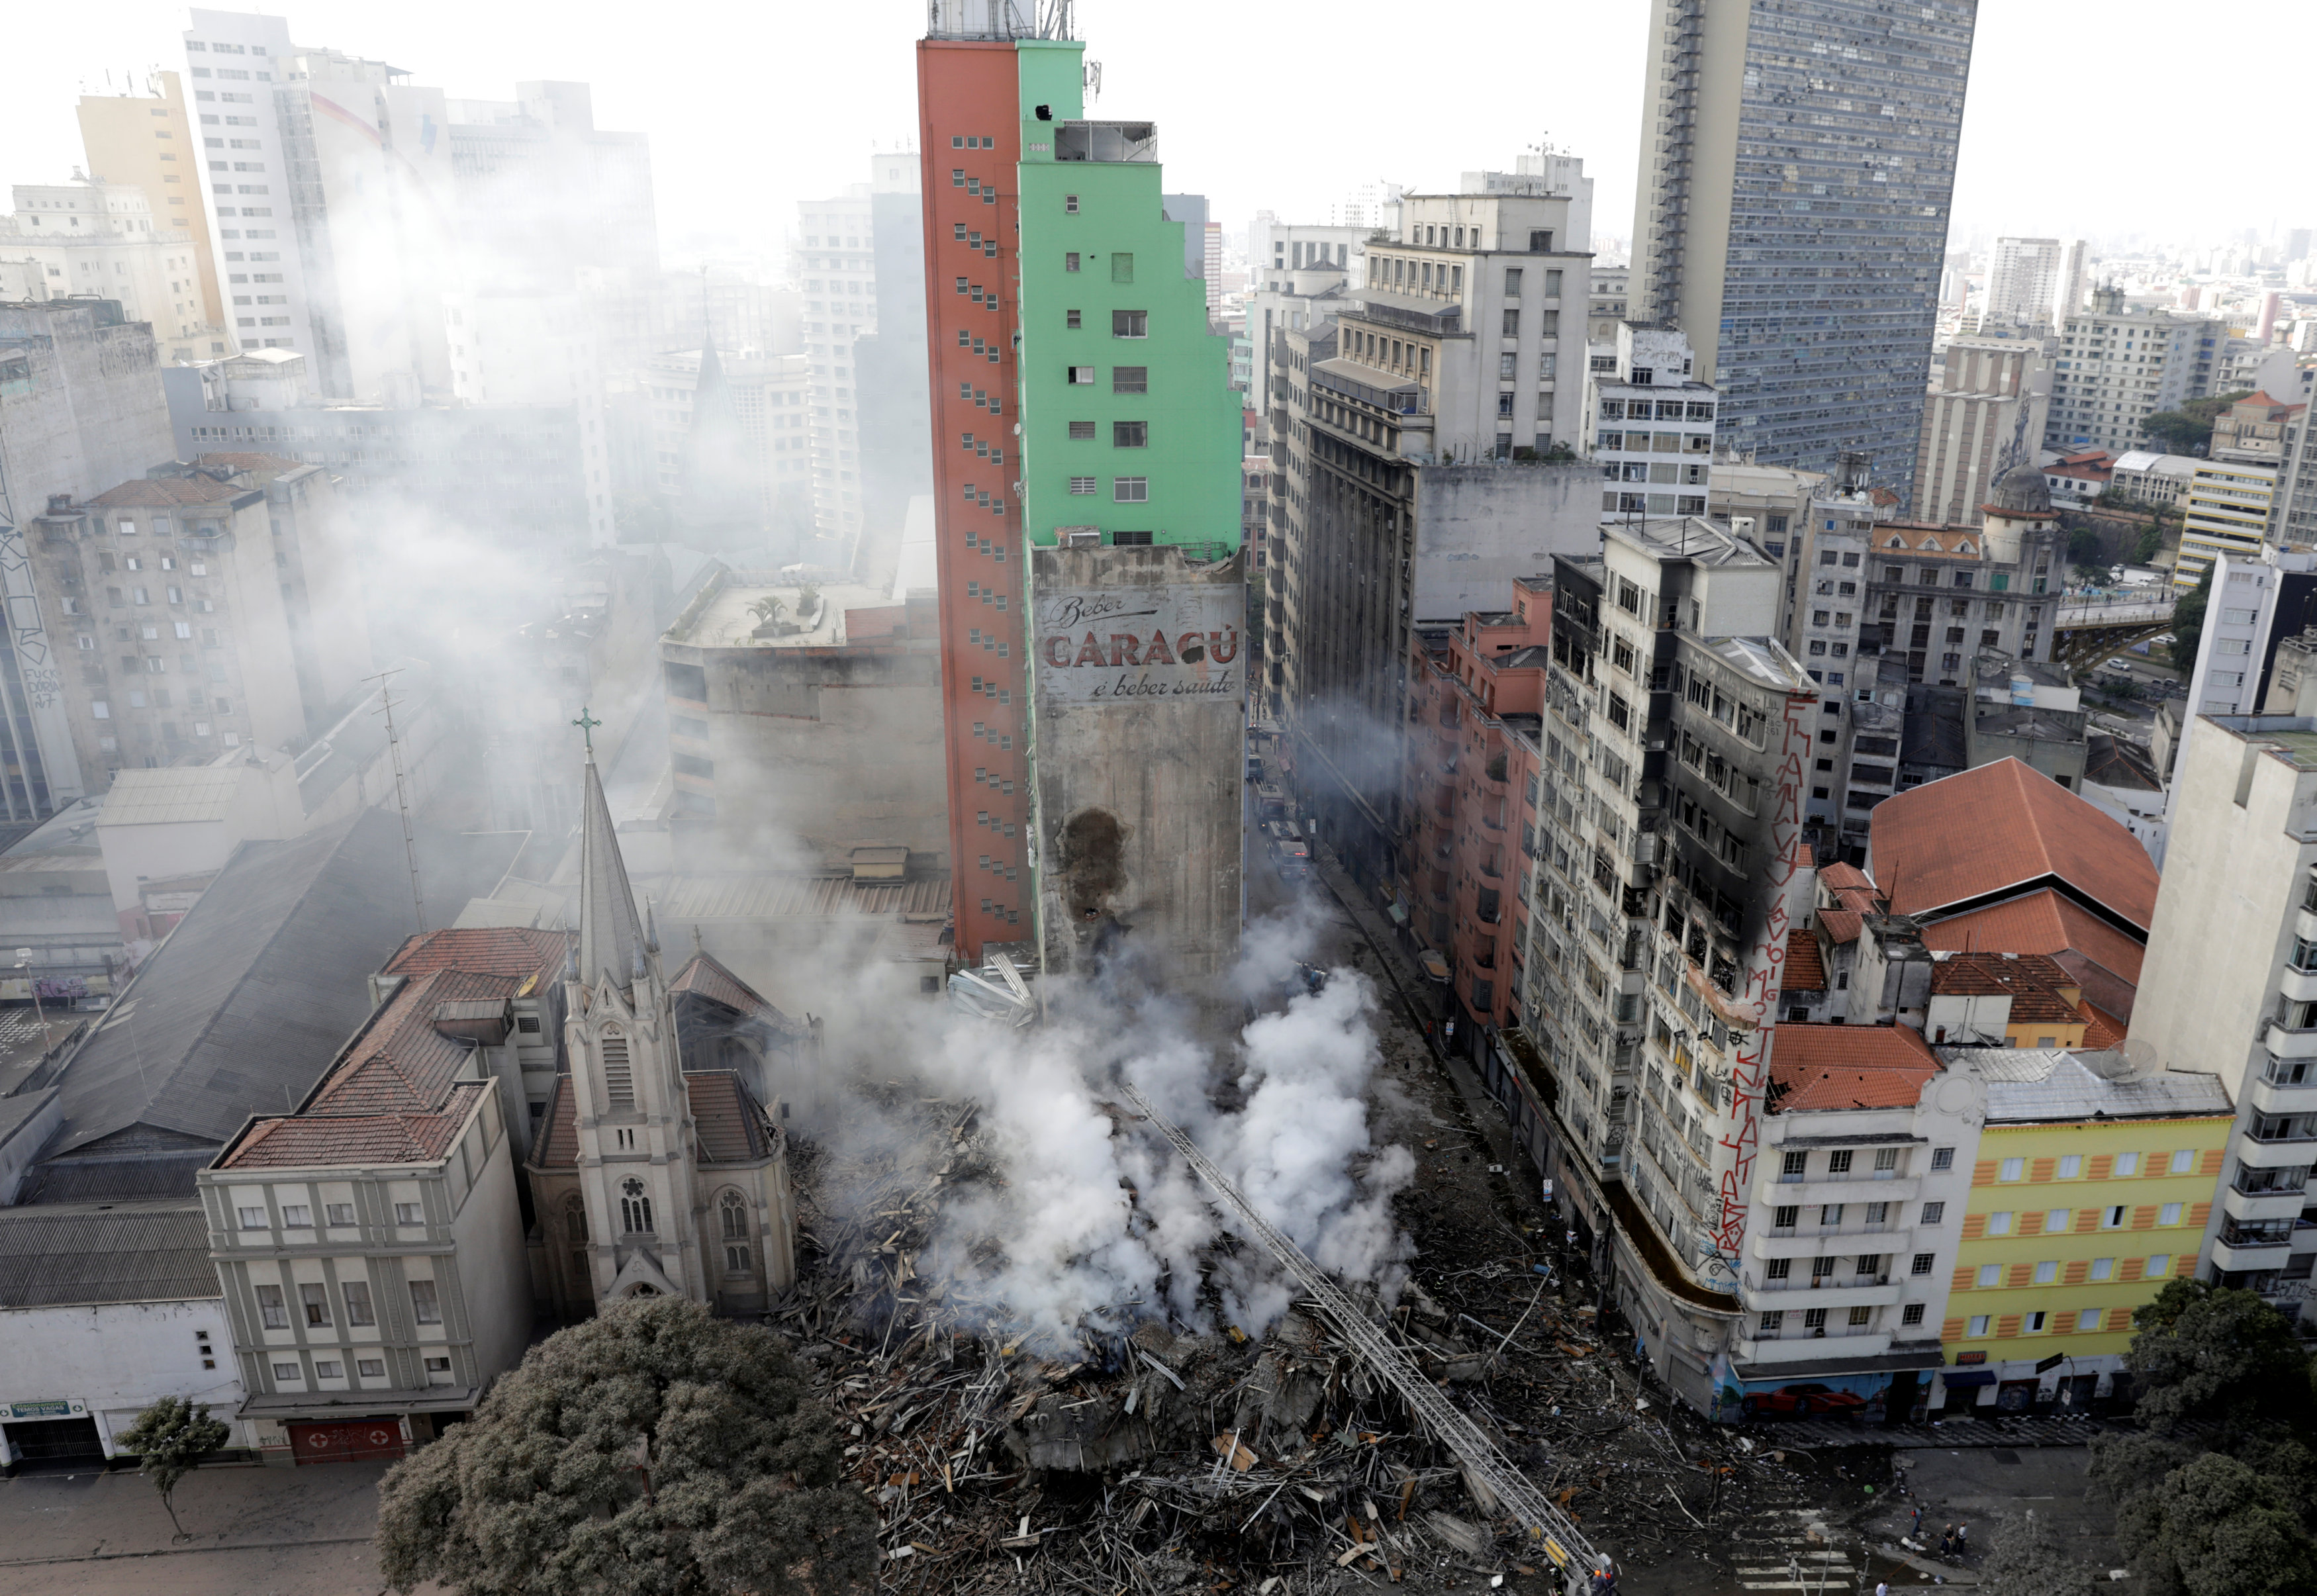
[(2086, 1197)]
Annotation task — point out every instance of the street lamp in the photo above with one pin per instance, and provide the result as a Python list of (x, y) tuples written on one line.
[(25, 963)]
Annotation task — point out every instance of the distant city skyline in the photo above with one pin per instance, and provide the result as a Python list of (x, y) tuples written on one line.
[(2031, 159)]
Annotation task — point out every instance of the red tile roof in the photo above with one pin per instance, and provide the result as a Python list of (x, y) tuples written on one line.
[(1858, 900), (1804, 971), (1841, 874), (2039, 922), (309, 1140), (1841, 925), (2103, 1029), (161, 492), (401, 1064), (1831, 1067), (516, 952), (2032, 980), (1964, 838)]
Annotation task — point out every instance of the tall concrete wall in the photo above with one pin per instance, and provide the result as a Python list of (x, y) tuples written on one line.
[(1478, 527), (1137, 751)]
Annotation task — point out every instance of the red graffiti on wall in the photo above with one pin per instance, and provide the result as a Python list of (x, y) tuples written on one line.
[(1757, 995)]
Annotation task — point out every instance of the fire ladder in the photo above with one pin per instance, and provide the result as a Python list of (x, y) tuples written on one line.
[(1484, 1465)]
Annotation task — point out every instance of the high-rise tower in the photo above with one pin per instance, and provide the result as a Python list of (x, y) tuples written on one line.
[(1086, 484), (1797, 158)]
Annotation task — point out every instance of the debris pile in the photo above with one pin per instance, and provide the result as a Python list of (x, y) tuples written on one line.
[(1171, 1455)]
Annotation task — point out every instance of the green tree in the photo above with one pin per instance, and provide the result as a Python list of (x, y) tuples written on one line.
[(655, 1450), (2216, 1492), (170, 1439), (2188, 628), (2029, 1560), (2189, 428)]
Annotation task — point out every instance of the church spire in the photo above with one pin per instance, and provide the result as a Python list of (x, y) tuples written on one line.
[(611, 937)]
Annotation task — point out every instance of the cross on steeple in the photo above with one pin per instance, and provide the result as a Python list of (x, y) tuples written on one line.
[(587, 725)]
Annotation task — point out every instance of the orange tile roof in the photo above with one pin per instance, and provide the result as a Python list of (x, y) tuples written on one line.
[(161, 492), (1841, 925), (2102, 1030), (1830, 1067), (2039, 922), (401, 1064), (308, 1139), (1805, 970), (1964, 838), (2032, 980), (1858, 899), (514, 951), (1837, 877)]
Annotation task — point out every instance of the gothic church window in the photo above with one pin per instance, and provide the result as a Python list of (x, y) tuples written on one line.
[(735, 1214), (635, 1207)]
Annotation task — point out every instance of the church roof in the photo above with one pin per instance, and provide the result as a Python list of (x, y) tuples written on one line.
[(703, 977), (728, 1125), (611, 932)]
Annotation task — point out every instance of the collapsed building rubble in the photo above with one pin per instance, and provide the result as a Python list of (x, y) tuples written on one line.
[(1151, 1458)]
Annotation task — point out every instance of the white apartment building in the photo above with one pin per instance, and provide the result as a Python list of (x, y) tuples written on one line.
[(2026, 284), (837, 268), (2230, 984), (2152, 478), (2235, 655), (101, 240), (1988, 405), (2119, 365), (1649, 421)]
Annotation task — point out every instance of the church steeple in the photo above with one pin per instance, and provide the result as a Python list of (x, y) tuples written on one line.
[(611, 940)]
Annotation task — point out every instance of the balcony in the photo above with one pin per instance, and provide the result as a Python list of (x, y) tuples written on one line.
[(2287, 1086), (2300, 985), (1827, 1291), (1105, 141), (2279, 1202), (2249, 1248), (1863, 1188), (1794, 1344), (2287, 1047), (1894, 1239)]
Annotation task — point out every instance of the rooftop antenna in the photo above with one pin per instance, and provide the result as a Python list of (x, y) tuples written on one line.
[(401, 788)]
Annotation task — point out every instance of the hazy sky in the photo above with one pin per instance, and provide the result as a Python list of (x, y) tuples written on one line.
[(2073, 125)]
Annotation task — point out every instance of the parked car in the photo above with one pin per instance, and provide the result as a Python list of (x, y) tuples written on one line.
[(1802, 1402), (1292, 859)]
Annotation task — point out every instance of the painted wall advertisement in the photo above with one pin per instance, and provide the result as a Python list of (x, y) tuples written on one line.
[(1141, 645)]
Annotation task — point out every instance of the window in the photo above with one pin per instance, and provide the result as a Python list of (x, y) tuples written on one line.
[(1793, 1165), (2184, 1162), (271, 1310), (736, 1261), (370, 1368), (1778, 1269), (1771, 1324), (1922, 1262), (1830, 1215), (1512, 283), (2159, 1265), (1912, 1313), (2087, 1320), (1512, 323), (1082, 431), (1784, 1218), (1129, 379), (287, 1371), (1870, 1263), (252, 1218), (1122, 269), (1860, 1317), (1130, 490), (438, 1371), (1130, 434), (1977, 1325), (2034, 1322), (425, 1307), (1082, 485), (2103, 1269), (1838, 1162), (2169, 1214), (2046, 1272), (2072, 1166), (1129, 324), (1943, 1158), (297, 1217), (1887, 1161), (1082, 376), (1070, 204), (2112, 1218), (732, 1214), (340, 1213), (1933, 1213), (635, 1207), (1073, 321), (2011, 1169), (2127, 1164), (317, 1300), (1814, 1318), (408, 1213), (1999, 1223), (2057, 1221), (358, 1305), (1070, 262)]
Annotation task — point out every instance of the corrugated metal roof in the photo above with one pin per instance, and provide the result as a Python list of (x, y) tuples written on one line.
[(688, 898), (253, 994), (172, 794), (52, 1256), (2031, 1085)]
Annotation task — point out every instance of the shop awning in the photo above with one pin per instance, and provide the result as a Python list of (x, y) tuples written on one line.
[(1961, 1378)]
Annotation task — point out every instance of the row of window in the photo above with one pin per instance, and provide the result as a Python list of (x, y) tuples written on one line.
[(1830, 1215), (1124, 490), (438, 1369), (2054, 1220), (314, 1298), (300, 1215), (1869, 1264), (2181, 1161), (2045, 1322), (1989, 1277), (1842, 1160), (1813, 1319)]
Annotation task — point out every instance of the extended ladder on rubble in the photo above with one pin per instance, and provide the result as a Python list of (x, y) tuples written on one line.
[(1484, 1465)]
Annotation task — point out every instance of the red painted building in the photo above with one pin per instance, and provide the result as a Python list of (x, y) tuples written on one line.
[(1476, 696), (969, 132)]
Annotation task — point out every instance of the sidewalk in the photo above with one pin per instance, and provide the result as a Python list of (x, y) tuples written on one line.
[(1956, 1435), (302, 1532)]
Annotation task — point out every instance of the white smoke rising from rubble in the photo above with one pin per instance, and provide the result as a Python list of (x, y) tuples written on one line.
[(1097, 1222)]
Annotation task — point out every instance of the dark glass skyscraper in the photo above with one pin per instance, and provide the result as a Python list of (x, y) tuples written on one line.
[(1797, 163)]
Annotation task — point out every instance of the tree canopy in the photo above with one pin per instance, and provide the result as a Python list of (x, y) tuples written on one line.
[(2216, 1492), (2029, 1560), (654, 1450), (2189, 428), (170, 1438)]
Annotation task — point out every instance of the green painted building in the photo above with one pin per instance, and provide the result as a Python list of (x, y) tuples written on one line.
[(1130, 426)]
